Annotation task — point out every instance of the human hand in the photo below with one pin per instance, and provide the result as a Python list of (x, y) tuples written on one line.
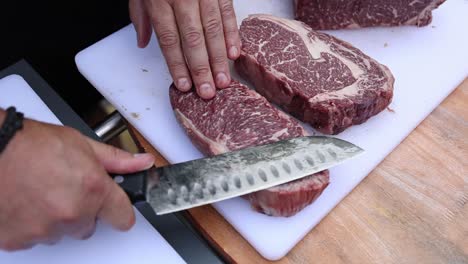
[(196, 38), (54, 183)]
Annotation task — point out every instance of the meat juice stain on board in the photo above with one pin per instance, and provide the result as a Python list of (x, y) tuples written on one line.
[(135, 115)]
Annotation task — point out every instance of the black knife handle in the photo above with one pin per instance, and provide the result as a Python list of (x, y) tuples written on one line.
[(134, 184)]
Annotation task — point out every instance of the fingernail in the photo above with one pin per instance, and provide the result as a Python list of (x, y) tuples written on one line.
[(141, 43), (206, 91), (222, 79), (233, 52), (183, 84), (149, 159)]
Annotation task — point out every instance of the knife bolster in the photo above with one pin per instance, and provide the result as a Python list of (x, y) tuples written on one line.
[(134, 185)]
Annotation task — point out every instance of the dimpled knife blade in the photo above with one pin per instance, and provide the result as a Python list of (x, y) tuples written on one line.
[(203, 181)]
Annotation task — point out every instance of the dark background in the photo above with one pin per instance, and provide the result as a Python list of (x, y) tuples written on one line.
[(48, 34)]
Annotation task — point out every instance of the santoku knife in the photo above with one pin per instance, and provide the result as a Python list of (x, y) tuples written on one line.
[(189, 184)]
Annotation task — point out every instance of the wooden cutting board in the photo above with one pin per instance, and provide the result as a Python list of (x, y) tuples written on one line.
[(413, 208)]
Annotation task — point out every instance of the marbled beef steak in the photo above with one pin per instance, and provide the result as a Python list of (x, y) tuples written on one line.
[(338, 14), (236, 118), (318, 78)]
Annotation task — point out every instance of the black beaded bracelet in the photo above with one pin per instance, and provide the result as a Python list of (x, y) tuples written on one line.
[(13, 122)]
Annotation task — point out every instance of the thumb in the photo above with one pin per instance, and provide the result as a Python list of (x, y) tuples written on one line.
[(115, 160)]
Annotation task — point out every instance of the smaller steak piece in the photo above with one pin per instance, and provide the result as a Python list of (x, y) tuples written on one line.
[(318, 78), (236, 118), (290, 198), (339, 14)]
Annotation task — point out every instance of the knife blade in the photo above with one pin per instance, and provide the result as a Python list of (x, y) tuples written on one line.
[(198, 182)]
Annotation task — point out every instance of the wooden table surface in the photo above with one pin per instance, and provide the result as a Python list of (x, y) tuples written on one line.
[(412, 208)]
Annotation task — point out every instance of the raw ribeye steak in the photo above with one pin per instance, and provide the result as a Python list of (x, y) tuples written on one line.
[(236, 118), (338, 14), (318, 78)]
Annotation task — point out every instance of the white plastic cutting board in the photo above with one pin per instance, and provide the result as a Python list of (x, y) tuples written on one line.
[(142, 244), (428, 63)]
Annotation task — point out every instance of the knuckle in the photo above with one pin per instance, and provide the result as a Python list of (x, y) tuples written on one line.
[(115, 152), (227, 9), (200, 71), (4, 245), (11, 246), (93, 183), (176, 65), (40, 232), (218, 60), (168, 39), (231, 31), (193, 38), (213, 28), (177, 68), (67, 215)]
